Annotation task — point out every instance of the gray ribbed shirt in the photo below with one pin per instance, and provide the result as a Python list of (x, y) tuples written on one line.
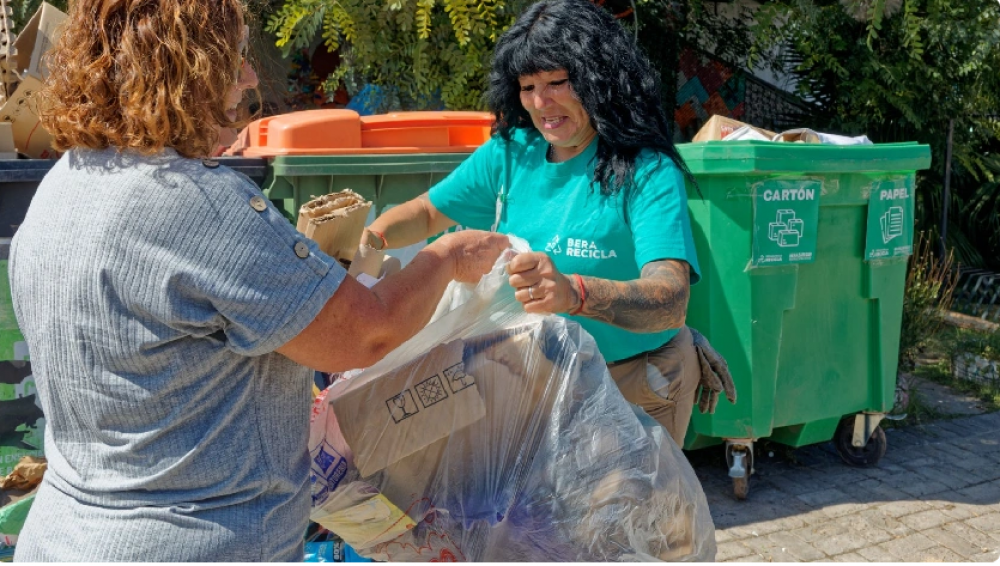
[(152, 295)]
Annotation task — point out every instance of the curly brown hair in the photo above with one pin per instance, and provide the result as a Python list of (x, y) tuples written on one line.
[(143, 75)]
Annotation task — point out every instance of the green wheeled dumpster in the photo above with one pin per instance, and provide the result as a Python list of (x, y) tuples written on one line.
[(386, 158), (384, 179), (803, 250), (21, 422)]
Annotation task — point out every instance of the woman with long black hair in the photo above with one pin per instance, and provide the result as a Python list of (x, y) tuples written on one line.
[(583, 168)]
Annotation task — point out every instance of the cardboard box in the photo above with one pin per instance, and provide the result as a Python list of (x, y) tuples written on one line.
[(37, 37), (513, 379), (504, 380), (718, 127), (21, 112), (335, 222), (408, 409)]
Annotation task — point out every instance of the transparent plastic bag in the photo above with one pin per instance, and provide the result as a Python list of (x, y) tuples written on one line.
[(497, 435)]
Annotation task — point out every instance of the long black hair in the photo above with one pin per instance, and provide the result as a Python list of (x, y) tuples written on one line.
[(614, 81)]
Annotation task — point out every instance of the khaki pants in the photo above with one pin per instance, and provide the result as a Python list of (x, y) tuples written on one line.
[(677, 361)]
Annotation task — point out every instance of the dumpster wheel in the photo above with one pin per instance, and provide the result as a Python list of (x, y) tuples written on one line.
[(866, 456), (739, 460), (741, 486)]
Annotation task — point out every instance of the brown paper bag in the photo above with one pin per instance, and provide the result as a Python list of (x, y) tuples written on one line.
[(335, 222), (26, 474)]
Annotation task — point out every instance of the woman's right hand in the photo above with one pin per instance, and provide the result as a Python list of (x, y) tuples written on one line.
[(474, 252)]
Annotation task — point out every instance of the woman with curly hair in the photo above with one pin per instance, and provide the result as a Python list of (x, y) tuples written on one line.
[(174, 317), (582, 167)]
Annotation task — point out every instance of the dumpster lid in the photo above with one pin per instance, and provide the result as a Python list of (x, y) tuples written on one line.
[(345, 132), (24, 170), (736, 158), (426, 119)]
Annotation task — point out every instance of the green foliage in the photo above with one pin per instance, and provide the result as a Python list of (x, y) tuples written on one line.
[(433, 52), (901, 76), (23, 9), (974, 357), (930, 284), (978, 343), (423, 53), (981, 211)]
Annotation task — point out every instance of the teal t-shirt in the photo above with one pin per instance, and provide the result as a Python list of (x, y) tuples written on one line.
[(554, 207)]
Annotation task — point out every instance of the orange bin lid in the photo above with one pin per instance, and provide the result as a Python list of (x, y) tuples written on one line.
[(344, 132)]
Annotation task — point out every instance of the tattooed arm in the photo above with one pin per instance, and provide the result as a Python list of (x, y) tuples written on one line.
[(656, 301)]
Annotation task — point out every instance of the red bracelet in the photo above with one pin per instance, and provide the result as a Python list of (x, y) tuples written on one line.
[(385, 244), (583, 294)]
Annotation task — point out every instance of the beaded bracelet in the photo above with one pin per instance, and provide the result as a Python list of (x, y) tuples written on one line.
[(583, 294)]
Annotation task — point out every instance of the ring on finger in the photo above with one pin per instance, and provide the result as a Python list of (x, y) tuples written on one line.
[(530, 293)]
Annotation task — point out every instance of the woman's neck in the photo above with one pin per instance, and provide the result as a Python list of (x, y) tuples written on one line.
[(558, 154)]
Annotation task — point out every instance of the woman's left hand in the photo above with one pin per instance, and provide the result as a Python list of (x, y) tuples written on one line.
[(539, 286)]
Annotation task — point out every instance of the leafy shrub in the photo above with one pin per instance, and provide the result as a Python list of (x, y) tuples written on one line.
[(425, 54), (421, 53), (902, 72), (930, 285), (975, 358), (983, 344)]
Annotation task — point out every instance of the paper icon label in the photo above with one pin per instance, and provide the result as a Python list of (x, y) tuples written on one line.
[(890, 219)]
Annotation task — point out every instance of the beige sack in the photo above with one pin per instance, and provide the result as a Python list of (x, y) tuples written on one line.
[(335, 222), (26, 474)]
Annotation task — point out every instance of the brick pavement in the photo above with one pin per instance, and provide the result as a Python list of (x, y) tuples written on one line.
[(935, 496)]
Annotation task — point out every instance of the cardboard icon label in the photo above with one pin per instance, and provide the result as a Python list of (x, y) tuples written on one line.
[(785, 221)]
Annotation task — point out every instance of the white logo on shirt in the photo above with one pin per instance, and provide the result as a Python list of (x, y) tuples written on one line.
[(553, 246), (576, 247)]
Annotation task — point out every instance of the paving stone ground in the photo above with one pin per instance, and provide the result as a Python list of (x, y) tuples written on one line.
[(934, 497)]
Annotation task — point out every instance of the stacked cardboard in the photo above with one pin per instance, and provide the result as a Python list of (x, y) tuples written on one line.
[(20, 110)]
